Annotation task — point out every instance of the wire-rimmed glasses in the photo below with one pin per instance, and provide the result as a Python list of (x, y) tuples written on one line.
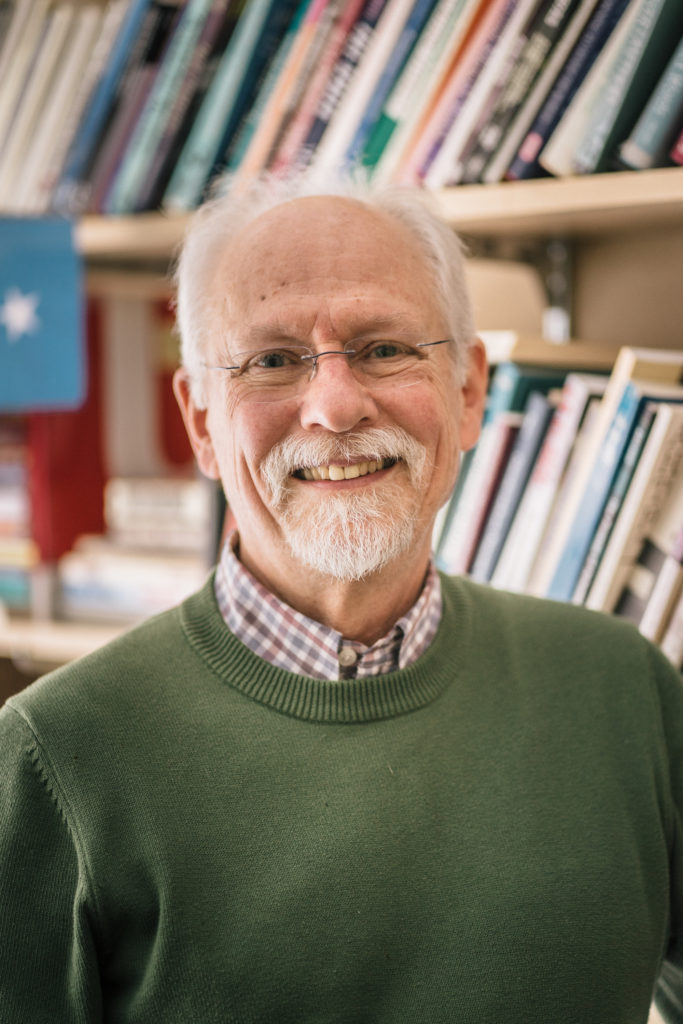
[(280, 372)]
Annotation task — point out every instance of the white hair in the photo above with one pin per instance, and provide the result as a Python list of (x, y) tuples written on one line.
[(221, 218)]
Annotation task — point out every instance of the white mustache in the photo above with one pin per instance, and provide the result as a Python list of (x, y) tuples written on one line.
[(375, 443)]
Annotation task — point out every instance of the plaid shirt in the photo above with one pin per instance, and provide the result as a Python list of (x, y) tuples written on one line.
[(292, 641)]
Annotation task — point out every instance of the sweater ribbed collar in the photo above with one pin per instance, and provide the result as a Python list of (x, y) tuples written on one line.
[(315, 700)]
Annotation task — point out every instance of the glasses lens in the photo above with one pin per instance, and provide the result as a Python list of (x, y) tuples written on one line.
[(378, 359)]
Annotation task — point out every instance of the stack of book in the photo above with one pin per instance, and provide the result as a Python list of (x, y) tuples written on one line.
[(18, 551), (138, 104), (575, 490)]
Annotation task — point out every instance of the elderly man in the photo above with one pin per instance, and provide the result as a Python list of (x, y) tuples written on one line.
[(332, 786)]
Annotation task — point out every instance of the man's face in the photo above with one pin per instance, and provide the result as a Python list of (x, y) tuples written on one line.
[(342, 476)]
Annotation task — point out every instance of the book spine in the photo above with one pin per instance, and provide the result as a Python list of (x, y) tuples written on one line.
[(71, 191), (661, 118), (516, 81), (632, 78), (676, 153), (613, 504), (594, 497), (579, 63)]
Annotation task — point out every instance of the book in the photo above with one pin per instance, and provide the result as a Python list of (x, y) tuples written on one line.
[(659, 466), (282, 88), (672, 642), (136, 86), (599, 481), (33, 98), (656, 365), (633, 76), (341, 75), (218, 26), (120, 38), (535, 422), (461, 538), (590, 44), (419, 84), (655, 130), (24, 35), (471, 59), (249, 50), (615, 498), (666, 591), (656, 546), (51, 126), (676, 153), (517, 78), (444, 168), (392, 66), (513, 382), (148, 131), (533, 513), (530, 101), (557, 154), (296, 131)]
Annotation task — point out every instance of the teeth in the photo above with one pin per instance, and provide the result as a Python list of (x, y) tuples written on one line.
[(342, 472)]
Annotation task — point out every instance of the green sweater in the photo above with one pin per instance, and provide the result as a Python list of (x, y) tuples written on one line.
[(491, 836)]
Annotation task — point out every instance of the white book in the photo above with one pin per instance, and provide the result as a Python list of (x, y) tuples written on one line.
[(15, 29), (51, 127), (329, 153), (35, 95), (662, 366), (441, 172), (659, 467), (526, 531), (558, 153), (25, 35), (421, 79), (672, 641), (516, 132)]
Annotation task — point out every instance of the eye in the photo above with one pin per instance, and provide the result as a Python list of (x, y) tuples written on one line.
[(271, 359), (381, 350)]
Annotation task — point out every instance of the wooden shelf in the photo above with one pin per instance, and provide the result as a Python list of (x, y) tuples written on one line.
[(584, 206)]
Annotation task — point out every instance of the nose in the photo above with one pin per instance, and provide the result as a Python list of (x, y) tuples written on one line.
[(334, 398)]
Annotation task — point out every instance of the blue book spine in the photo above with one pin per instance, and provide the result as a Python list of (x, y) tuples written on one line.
[(97, 111), (149, 129), (404, 47), (595, 496)]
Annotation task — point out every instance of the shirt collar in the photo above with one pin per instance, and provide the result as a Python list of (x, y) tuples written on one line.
[(290, 640)]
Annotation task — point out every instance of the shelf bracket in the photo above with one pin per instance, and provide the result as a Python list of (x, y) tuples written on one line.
[(553, 261)]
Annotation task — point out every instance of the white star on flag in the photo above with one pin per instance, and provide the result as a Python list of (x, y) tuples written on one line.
[(18, 313)]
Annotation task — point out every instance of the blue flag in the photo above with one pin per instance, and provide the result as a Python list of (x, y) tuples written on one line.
[(42, 350)]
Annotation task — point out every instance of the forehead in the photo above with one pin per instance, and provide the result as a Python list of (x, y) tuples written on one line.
[(324, 251)]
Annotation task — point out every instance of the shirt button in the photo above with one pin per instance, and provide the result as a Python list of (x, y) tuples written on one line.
[(347, 657)]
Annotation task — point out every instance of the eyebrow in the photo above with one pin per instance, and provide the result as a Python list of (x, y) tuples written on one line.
[(395, 326)]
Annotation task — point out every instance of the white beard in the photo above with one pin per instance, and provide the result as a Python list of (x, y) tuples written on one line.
[(350, 535)]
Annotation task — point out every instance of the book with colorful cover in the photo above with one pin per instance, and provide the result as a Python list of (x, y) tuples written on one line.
[(656, 129), (537, 413), (633, 77), (468, 60), (299, 125), (174, 65), (600, 478), (399, 55), (516, 79), (530, 101), (586, 51), (659, 466), (258, 31), (72, 190)]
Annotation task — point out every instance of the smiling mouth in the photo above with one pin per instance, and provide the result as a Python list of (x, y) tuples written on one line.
[(334, 472)]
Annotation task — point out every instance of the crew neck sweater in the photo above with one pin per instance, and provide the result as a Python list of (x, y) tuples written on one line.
[(490, 835)]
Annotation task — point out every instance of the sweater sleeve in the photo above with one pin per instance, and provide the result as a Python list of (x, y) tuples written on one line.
[(669, 990), (49, 967)]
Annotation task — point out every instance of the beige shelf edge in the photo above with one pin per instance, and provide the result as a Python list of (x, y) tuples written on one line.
[(589, 205), (51, 643)]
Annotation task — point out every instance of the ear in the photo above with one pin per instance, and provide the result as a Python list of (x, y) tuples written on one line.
[(473, 395), (195, 420)]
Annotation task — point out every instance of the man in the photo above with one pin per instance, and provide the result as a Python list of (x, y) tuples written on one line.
[(332, 786)]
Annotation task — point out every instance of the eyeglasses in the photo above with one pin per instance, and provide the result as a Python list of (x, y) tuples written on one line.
[(278, 373)]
